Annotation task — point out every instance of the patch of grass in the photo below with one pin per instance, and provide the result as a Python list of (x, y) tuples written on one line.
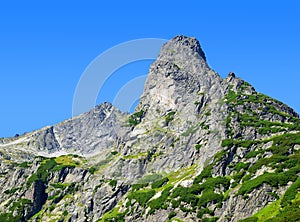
[(291, 193), (268, 212), (250, 219), (150, 178)]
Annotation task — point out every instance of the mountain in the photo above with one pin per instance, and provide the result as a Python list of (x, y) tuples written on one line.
[(197, 148)]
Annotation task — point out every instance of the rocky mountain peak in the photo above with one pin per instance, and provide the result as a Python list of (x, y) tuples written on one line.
[(177, 78), (189, 43), (186, 53), (198, 148)]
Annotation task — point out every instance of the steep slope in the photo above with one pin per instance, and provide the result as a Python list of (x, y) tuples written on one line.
[(197, 148)]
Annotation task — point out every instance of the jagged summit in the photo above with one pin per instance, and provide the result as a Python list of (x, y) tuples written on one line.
[(182, 41), (185, 53), (177, 78)]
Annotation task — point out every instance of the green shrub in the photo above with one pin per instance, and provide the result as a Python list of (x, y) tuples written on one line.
[(12, 191), (206, 173), (247, 177), (159, 183), (208, 197), (203, 211), (142, 197), (160, 202), (135, 118), (113, 183), (216, 182), (24, 165), (58, 185), (92, 170), (241, 165), (227, 142), (291, 193), (42, 172), (198, 146), (238, 176), (273, 179), (171, 215), (114, 153), (138, 186), (253, 153), (231, 96)]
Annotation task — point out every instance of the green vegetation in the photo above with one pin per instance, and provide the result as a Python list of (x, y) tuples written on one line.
[(208, 113), (203, 211), (49, 165), (208, 197), (142, 197), (171, 215), (159, 183), (138, 186), (92, 170), (198, 146), (193, 129), (113, 183), (206, 173), (114, 153), (25, 165), (291, 193), (18, 206), (268, 212), (250, 219), (239, 143), (169, 117), (12, 191), (150, 178), (273, 179), (241, 165), (135, 118), (160, 202), (59, 185), (113, 216)]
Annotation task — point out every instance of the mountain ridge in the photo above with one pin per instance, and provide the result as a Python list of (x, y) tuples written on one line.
[(197, 148)]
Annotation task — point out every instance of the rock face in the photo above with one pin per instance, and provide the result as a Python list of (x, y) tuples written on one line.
[(197, 148)]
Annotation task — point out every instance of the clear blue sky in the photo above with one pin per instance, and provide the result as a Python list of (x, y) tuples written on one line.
[(46, 45)]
